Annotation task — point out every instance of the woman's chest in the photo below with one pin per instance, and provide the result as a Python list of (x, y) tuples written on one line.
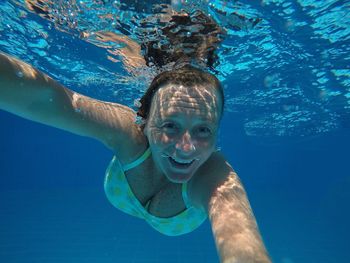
[(162, 199)]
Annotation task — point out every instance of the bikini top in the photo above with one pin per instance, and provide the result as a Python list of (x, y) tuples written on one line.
[(120, 195)]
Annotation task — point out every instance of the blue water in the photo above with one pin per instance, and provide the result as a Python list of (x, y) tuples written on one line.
[(285, 131)]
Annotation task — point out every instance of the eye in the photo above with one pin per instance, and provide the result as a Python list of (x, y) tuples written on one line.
[(169, 127), (203, 132)]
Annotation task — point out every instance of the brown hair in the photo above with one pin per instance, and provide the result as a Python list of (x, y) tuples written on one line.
[(193, 37), (188, 76)]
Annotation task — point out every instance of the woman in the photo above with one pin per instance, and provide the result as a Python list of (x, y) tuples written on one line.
[(166, 170)]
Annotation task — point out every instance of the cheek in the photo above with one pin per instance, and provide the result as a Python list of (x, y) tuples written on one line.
[(158, 138), (206, 145), (207, 142), (166, 140)]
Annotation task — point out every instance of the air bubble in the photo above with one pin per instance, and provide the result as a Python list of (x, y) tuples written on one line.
[(139, 120), (137, 103), (19, 74)]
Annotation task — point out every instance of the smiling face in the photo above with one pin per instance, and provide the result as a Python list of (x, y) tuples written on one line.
[(182, 129)]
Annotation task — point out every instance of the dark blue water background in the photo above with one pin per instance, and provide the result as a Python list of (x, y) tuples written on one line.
[(53, 208)]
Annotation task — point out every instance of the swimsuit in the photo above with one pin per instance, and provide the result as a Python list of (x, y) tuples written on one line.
[(119, 193)]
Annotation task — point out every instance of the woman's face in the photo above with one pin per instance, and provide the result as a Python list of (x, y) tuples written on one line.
[(182, 128)]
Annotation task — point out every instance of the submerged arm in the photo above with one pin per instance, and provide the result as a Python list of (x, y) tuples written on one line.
[(234, 227), (29, 93), (233, 223)]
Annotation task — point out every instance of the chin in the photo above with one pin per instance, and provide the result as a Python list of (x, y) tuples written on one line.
[(178, 178), (178, 181)]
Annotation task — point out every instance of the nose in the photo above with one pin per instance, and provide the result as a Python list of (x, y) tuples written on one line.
[(185, 144)]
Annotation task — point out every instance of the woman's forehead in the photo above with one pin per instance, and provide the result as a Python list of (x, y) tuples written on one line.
[(199, 100), (193, 94)]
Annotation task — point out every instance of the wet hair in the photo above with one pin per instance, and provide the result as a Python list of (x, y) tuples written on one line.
[(191, 37), (188, 76)]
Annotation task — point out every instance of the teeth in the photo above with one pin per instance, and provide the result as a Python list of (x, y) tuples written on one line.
[(180, 161)]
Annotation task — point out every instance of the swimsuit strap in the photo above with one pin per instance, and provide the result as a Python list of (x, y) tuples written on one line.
[(138, 161), (185, 195)]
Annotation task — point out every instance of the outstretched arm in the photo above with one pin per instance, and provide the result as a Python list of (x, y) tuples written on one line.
[(29, 93), (233, 223)]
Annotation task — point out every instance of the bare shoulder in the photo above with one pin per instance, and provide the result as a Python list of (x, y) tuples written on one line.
[(213, 174), (114, 123)]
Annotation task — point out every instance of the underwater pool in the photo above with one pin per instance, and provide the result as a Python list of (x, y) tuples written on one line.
[(285, 69)]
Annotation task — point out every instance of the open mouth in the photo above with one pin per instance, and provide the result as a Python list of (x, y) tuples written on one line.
[(180, 164)]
